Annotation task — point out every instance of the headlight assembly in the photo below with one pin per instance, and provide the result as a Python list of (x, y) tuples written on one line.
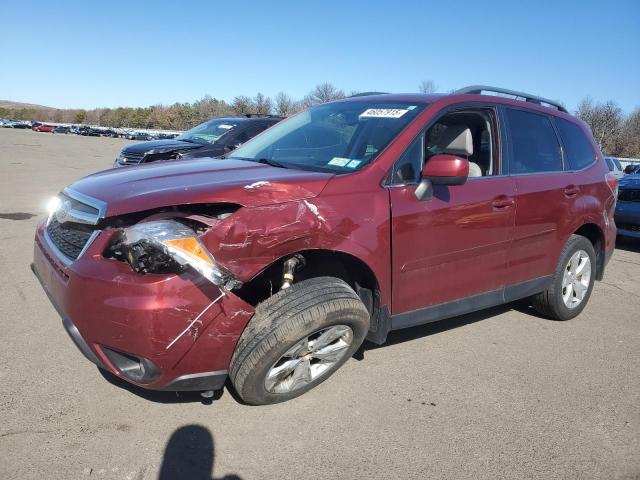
[(167, 246)]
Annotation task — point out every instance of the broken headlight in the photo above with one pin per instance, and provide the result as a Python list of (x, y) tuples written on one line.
[(167, 246)]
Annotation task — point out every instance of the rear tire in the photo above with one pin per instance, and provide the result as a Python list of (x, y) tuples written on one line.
[(570, 290), (275, 359)]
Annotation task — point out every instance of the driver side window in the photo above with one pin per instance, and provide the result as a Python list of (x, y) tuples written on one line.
[(468, 133)]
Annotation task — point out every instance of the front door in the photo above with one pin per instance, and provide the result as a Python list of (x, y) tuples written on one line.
[(453, 245)]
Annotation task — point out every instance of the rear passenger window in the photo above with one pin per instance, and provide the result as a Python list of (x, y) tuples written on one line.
[(578, 151), (534, 141)]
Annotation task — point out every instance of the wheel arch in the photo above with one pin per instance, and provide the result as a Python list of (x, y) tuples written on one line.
[(593, 233), (324, 262)]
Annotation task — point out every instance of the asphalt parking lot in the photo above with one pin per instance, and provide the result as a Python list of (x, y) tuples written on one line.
[(501, 393)]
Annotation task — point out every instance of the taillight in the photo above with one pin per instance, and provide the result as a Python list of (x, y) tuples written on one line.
[(612, 181)]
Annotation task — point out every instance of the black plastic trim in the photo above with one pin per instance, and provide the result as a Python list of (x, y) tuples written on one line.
[(198, 382), (481, 301), (80, 342), (380, 326)]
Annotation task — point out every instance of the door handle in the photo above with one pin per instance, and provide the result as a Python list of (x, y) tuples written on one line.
[(502, 202), (571, 190)]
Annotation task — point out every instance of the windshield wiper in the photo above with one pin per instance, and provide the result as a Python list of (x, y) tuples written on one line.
[(273, 163)]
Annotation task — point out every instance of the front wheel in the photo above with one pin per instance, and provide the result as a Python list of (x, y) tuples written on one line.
[(297, 339), (572, 282)]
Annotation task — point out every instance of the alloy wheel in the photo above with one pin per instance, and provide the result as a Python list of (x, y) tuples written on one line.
[(309, 359)]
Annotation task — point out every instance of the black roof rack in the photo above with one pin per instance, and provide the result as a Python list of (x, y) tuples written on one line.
[(260, 115), (478, 89), (366, 94)]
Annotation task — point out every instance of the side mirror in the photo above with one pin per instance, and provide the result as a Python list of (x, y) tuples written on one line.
[(441, 169)]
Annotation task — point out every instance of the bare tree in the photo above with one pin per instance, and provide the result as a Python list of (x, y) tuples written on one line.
[(261, 104), (427, 86), (324, 92), (285, 105), (631, 135), (605, 120), (242, 104)]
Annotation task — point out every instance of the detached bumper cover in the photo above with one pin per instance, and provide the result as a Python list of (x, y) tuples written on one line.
[(117, 317)]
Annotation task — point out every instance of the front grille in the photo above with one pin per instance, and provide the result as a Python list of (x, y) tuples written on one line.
[(69, 238), (628, 226), (629, 195), (130, 158)]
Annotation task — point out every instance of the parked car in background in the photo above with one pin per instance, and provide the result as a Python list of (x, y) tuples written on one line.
[(144, 136), (108, 132), (43, 128), (88, 132), (166, 136), (210, 139), (16, 124), (343, 222), (632, 168), (628, 207), (614, 167), (61, 129)]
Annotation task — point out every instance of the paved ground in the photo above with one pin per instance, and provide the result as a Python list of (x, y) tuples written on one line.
[(498, 394)]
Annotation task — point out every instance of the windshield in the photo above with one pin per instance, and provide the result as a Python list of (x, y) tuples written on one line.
[(339, 137), (208, 132)]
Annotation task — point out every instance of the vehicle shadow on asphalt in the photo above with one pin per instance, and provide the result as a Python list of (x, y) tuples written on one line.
[(419, 331), (394, 337), (190, 454), (159, 396)]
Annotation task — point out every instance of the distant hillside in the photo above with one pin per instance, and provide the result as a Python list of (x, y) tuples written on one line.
[(19, 105)]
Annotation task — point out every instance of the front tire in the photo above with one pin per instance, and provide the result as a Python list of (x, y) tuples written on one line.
[(572, 282), (297, 339)]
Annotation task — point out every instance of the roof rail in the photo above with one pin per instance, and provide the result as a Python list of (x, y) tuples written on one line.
[(259, 115), (478, 89), (366, 94)]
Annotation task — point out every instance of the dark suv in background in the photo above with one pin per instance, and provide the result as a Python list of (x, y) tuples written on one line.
[(210, 139)]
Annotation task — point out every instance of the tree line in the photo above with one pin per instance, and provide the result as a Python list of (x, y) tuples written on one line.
[(616, 133), (179, 116)]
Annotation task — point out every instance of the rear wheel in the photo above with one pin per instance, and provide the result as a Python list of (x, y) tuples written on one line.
[(297, 339), (572, 282)]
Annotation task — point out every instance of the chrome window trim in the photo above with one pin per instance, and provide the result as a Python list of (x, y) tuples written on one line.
[(387, 182)]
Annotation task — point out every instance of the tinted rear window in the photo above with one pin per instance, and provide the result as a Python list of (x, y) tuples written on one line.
[(578, 151), (534, 141)]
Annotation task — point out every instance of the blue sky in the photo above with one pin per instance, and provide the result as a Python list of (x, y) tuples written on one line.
[(119, 53)]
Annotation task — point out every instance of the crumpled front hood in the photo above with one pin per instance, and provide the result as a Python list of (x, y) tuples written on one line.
[(201, 180)]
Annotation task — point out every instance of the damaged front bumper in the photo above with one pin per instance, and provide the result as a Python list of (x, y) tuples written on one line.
[(161, 332)]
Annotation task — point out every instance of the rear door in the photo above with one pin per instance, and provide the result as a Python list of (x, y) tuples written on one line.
[(545, 195)]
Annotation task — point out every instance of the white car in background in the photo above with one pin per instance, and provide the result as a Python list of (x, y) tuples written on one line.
[(614, 167)]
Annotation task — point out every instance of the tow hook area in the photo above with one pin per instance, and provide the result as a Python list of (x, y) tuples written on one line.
[(293, 264)]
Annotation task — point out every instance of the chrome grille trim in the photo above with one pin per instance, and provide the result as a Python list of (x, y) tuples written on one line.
[(85, 217)]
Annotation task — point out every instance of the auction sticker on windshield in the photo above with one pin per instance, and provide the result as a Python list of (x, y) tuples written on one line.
[(339, 161), (383, 113)]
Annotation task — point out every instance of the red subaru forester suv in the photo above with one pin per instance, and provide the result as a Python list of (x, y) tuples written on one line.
[(348, 220)]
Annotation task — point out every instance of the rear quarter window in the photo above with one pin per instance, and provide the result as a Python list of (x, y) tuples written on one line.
[(577, 149)]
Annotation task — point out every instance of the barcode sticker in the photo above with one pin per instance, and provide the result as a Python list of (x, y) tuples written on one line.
[(383, 113)]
